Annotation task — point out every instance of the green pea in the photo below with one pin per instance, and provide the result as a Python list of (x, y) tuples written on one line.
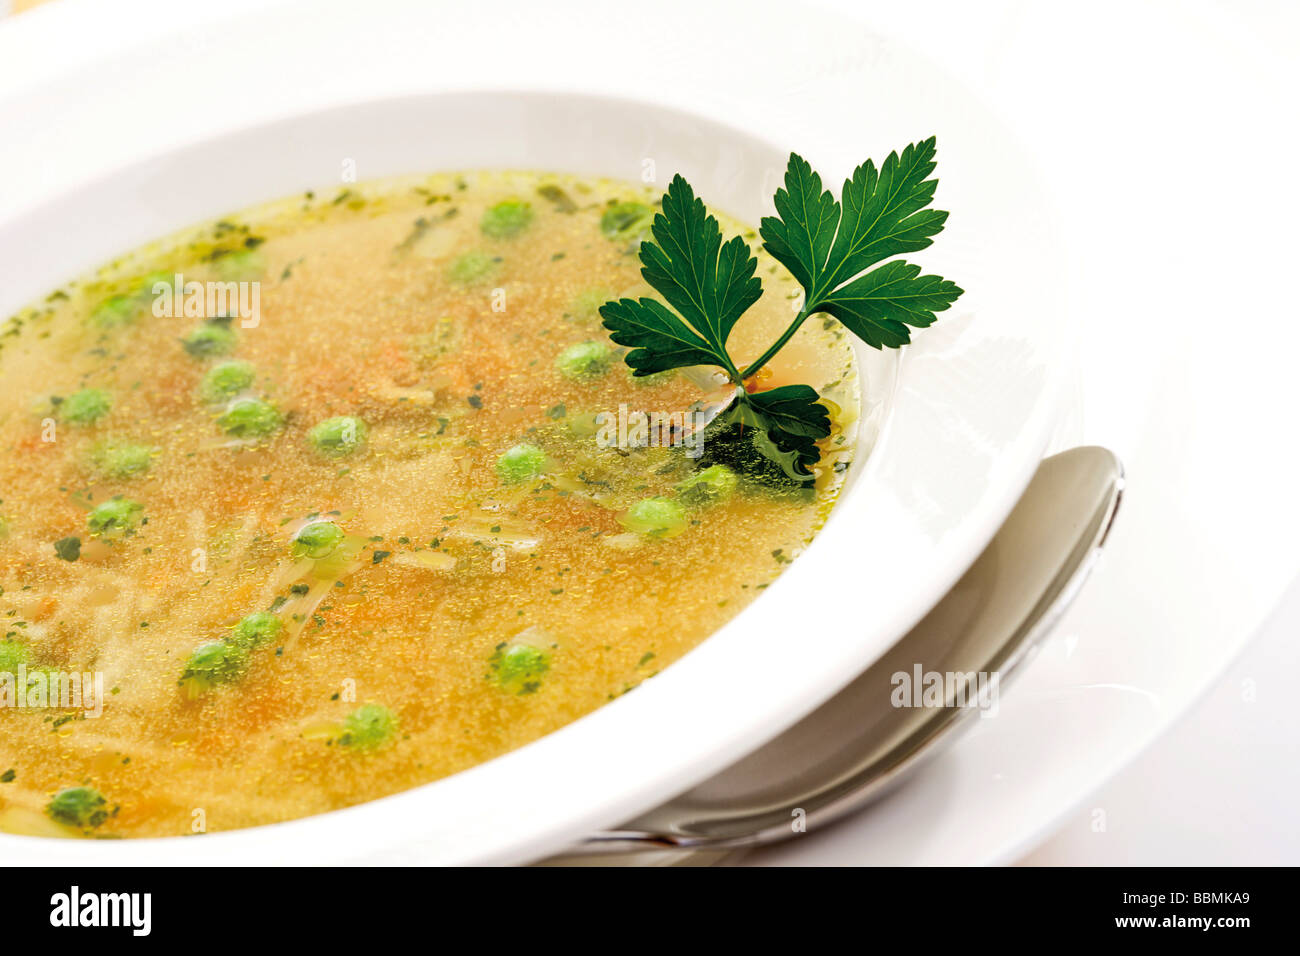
[(115, 311), (584, 361), (256, 629), (117, 515), (338, 436), (368, 727), (506, 219), (655, 518), (472, 267), (250, 418), (216, 662), (711, 486), (12, 656), (82, 807), (85, 407), (520, 463), (120, 459), (226, 380), (212, 338), (627, 221), (317, 540), (518, 667)]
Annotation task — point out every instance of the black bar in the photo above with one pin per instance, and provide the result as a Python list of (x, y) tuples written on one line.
[(330, 906)]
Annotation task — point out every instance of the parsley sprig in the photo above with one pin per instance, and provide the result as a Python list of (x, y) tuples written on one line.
[(827, 245)]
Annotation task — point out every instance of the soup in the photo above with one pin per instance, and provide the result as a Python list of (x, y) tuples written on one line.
[(351, 492)]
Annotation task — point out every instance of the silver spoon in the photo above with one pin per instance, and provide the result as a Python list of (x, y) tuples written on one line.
[(858, 745)]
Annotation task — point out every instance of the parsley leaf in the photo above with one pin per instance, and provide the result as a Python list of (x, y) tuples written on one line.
[(801, 236), (660, 339), (827, 244), (878, 306), (794, 410), (884, 213), (792, 420), (709, 283), (69, 549)]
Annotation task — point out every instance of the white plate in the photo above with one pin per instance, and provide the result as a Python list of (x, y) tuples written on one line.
[(192, 126)]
